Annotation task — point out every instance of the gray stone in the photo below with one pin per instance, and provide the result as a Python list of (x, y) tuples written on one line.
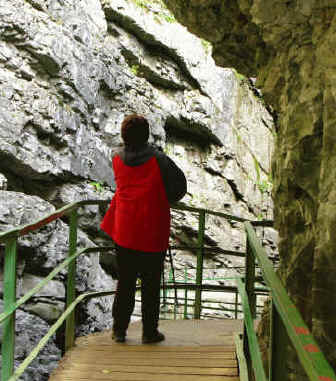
[(70, 71), (29, 330), (47, 310), (289, 47), (3, 182), (53, 289)]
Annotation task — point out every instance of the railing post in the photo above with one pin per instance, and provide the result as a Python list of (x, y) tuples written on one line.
[(249, 287), (236, 304), (71, 282), (199, 271), (277, 347), (9, 296), (185, 294), (250, 278)]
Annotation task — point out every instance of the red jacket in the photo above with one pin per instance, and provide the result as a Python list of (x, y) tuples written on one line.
[(139, 214)]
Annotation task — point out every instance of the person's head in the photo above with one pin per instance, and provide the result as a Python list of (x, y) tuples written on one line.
[(135, 130)]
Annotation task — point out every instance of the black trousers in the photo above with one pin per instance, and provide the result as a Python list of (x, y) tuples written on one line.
[(148, 267)]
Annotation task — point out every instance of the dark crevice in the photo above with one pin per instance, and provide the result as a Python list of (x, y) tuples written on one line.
[(35, 4), (188, 236), (191, 132), (214, 172), (155, 46), (235, 190), (46, 138), (151, 76), (24, 179)]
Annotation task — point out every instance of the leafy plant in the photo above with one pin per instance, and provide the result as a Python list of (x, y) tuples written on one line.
[(169, 17), (135, 69), (206, 45), (97, 185), (239, 76), (264, 186)]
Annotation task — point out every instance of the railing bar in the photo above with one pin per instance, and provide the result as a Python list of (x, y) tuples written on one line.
[(313, 361), (24, 229), (59, 268), (250, 277), (211, 249), (199, 268), (71, 281), (18, 372), (243, 373), (180, 206), (208, 301), (203, 308), (208, 287), (252, 338), (9, 291)]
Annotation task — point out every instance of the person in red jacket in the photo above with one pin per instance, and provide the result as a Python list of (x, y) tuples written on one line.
[(138, 220)]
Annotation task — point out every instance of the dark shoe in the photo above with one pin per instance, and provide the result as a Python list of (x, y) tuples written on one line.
[(156, 338), (119, 337)]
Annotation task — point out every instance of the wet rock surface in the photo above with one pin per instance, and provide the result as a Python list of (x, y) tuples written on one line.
[(290, 47), (69, 73)]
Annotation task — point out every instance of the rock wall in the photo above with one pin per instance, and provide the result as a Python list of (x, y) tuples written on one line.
[(69, 73), (290, 46)]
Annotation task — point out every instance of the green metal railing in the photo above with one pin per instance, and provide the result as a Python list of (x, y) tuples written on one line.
[(9, 238), (7, 318), (285, 317), (287, 325)]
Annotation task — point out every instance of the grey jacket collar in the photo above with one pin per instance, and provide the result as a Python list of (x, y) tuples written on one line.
[(140, 156)]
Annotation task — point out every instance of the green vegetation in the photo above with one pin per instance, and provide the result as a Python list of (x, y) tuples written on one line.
[(239, 76), (169, 17), (263, 185), (97, 185), (260, 217), (141, 4), (135, 69), (163, 15), (206, 45), (168, 149)]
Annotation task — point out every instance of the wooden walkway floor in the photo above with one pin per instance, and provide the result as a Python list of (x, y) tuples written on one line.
[(194, 350)]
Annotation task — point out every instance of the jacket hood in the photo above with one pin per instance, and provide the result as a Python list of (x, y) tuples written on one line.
[(133, 157)]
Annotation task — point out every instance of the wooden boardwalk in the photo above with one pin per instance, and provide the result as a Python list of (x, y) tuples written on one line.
[(194, 350)]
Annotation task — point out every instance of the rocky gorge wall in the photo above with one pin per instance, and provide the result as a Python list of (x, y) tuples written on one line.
[(69, 73), (290, 47)]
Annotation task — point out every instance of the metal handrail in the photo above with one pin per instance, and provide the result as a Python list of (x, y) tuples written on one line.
[(287, 324), (252, 341), (25, 229), (22, 367), (9, 238), (44, 281)]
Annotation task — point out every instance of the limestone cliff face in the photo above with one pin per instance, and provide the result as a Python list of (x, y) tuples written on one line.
[(290, 46), (69, 73)]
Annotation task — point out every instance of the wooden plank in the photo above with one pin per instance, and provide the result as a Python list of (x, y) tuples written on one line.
[(181, 357), (111, 368), (86, 358), (124, 376), (166, 355), (157, 348)]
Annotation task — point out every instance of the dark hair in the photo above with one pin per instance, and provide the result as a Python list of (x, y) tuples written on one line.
[(135, 130)]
